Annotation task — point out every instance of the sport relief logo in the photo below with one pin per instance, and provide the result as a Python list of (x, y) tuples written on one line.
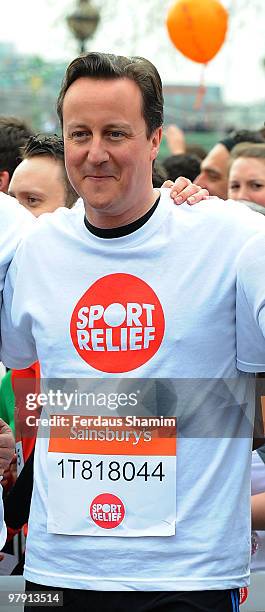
[(107, 511), (118, 324)]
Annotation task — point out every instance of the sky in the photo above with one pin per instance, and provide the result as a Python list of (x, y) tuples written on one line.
[(39, 27)]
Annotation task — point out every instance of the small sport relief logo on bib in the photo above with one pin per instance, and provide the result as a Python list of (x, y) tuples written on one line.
[(118, 324), (107, 511)]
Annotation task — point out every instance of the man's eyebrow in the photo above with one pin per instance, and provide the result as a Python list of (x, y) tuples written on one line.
[(211, 171), (111, 125), (77, 125), (117, 124)]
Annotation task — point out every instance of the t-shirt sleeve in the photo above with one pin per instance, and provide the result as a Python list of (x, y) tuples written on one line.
[(250, 306), (18, 348), (14, 223)]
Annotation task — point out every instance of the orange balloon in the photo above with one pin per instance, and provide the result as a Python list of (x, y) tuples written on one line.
[(197, 28)]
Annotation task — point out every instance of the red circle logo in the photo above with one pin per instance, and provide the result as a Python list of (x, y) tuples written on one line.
[(243, 595), (107, 511), (118, 324)]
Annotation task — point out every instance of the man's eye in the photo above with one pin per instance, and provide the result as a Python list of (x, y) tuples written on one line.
[(116, 135), (79, 135), (234, 187)]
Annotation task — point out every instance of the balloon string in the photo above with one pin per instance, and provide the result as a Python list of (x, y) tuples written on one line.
[(201, 90)]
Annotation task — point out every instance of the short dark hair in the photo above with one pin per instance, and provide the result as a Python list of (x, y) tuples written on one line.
[(238, 136), (182, 165), (41, 144), (13, 135), (108, 66), (159, 174), (50, 146)]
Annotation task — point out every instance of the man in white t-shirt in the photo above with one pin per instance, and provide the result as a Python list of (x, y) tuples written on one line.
[(13, 221), (138, 289)]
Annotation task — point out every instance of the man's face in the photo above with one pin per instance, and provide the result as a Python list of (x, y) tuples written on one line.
[(214, 172), (108, 156), (38, 184)]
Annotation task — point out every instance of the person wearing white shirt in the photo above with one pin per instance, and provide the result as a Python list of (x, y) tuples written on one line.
[(13, 222), (138, 289)]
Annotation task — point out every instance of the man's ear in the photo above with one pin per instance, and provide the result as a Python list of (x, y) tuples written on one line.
[(4, 181), (155, 141)]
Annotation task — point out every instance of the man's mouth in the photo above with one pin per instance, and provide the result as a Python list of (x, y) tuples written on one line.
[(98, 177)]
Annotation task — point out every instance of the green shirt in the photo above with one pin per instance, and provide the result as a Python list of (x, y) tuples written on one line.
[(7, 401)]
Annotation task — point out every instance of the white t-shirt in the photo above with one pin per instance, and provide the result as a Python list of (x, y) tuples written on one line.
[(158, 303), (250, 317), (13, 221), (250, 300), (250, 305)]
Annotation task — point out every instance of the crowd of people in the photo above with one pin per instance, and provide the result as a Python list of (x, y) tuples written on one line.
[(126, 290)]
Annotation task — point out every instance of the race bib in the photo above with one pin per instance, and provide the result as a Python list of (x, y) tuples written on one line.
[(112, 480)]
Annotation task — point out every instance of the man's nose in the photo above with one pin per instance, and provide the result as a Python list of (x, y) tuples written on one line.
[(97, 152), (200, 180)]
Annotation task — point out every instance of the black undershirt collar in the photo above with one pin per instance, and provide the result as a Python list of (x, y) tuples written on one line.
[(124, 230)]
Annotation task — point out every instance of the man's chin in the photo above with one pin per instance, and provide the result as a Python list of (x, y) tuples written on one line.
[(98, 203), (97, 208)]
